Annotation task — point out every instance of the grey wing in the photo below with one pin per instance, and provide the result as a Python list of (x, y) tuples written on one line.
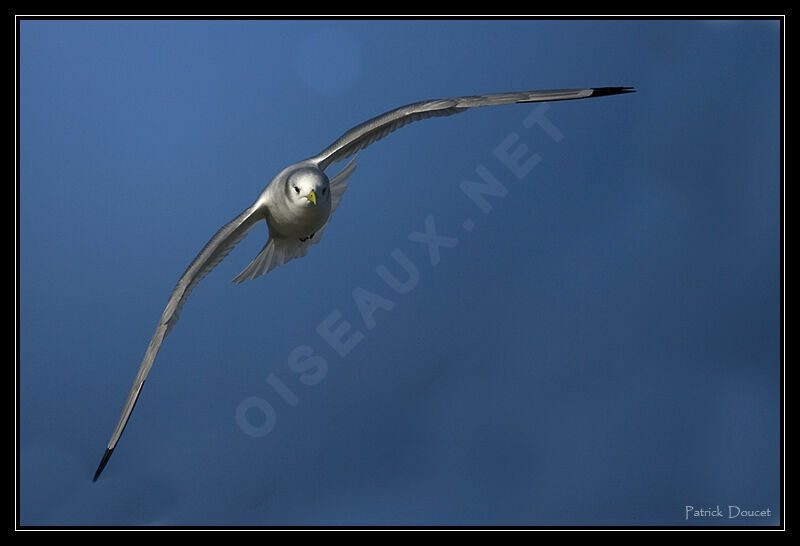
[(378, 127), (220, 245)]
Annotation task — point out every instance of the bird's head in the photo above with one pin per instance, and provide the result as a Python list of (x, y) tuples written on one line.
[(308, 187)]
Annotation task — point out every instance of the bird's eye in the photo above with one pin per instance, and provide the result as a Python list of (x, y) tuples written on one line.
[(296, 189), (324, 190)]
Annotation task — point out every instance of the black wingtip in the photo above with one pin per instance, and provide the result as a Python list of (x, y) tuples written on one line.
[(103, 463), (603, 91)]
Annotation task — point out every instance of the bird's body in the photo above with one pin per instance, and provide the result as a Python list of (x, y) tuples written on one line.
[(296, 218), (297, 206)]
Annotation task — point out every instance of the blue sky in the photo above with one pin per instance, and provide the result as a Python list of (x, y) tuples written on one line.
[(598, 346)]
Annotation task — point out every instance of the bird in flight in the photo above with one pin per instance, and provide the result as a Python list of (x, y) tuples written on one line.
[(297, 206)]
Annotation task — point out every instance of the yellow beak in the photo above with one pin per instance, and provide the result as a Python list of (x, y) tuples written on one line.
[(312, 197)]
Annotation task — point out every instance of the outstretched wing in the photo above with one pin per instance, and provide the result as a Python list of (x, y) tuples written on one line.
[(378, 127), (213, 253)]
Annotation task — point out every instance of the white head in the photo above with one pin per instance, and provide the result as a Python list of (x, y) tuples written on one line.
[(309, 188)]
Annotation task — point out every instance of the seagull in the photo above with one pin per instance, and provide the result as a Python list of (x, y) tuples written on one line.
[(297, 206)]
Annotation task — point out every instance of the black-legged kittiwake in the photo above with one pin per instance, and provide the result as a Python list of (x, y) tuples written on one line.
[(297, 206)]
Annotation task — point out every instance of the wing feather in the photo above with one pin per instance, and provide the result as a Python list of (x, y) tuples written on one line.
[(374, 129), (220, 245)]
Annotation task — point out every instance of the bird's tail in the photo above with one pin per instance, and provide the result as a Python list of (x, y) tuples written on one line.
[(275, 253)]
